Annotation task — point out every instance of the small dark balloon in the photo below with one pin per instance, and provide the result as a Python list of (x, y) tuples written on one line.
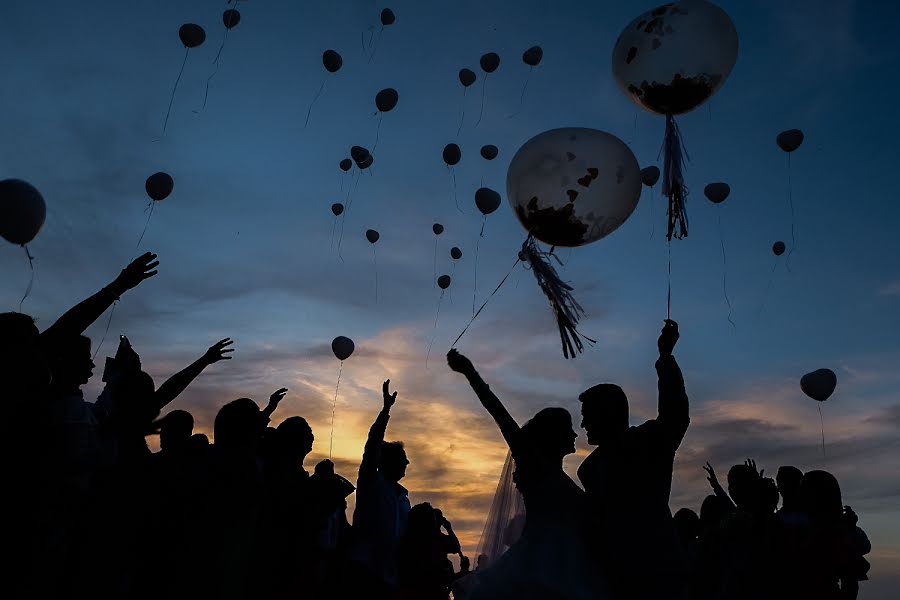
[(372, 235), (365, 164), (467, 77), (649, 176), (346, 165), (532, 57), (717, 192), (487, 200), (337, 208), (443, 282), (455, 253), (231, 18), (359, 154), (332, 61), (437, 228), (342, 347), (789, 140), (489, 152), (191, 35), (22, 211), (778, 248), (386, 99), (489, 62), (452, 154), (159, 186), (388, 17)]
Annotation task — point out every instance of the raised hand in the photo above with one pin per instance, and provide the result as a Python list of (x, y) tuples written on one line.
[(389, 398), (141, 268), (711, 476), (752, 464), (219, 351), (668, 338), (277, 397), (460, 363)]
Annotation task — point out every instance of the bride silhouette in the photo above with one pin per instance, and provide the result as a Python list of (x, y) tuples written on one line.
[(552, 559)]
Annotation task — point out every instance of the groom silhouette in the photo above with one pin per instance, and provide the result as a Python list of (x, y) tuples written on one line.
[(628, 478)]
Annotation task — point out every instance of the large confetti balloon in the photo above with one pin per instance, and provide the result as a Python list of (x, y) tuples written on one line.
[(673, 58), (489, 62), (332, 61), (231, 18), (467, 77), (22, 211), (717, 192), (452, 154), (789, 140), (191, 35), (819, 385), (778, 248), (342, 347), (487, 200), (573, 186), (159, 186), (386, 99)]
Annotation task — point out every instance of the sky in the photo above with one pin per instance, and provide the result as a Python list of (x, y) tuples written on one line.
[(246, 247)]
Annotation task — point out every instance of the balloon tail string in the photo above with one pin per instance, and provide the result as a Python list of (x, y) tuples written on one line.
[(522, 95), (483, 93), (455, 195), (333, 409), (462, 112), (311, 104), (791, 203), (374, 46), (496, 289), (434, 328), (375, 263), (725, 274), (146, 225), (434, 264), (333, 227), (475, 278), (30, 280), (822, 422), (669, 293), (174, 89), (108, 323), (215, 70), (378, 130)]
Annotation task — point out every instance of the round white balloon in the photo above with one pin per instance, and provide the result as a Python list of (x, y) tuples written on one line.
[(573, 186), (671, 59), (22, 211)]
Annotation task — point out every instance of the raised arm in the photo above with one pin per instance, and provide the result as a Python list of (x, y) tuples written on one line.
[(179, 382), (82, 315), (372, 452), (276, 397), (674, 416), (718, 490), (508, 426)]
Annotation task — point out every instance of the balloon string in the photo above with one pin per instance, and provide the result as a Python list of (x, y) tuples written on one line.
[(669, 293), (522, 96), (434, 264), (791, 202), (462, 111), (477, 245), (31, 279), (174, 88), (375, 45), (146, 225), (434, 329), (108, 323), (455, 195), (725, 273), (475, 316), (333, 228), (216, 70), (378, 130), (483, 90), (822, 421), (375, 262), (333, 408), (311, 104), (349, 202)]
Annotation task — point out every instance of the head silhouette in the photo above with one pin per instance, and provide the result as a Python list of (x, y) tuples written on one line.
[(604, 412), (392, 462), (71, 362), (820, 496), (711, 512), (768, 495), (789, 480), (550, 432), (743, 487), (687, 524), (294, 439), (237, 426), (422, 521), (175, 430), (135, 406)]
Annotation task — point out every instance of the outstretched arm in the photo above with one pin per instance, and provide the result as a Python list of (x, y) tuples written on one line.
[(372, 452), (276, 397), (83, 314), (508, 426), (674, 416), (179, 382), (716, 486)]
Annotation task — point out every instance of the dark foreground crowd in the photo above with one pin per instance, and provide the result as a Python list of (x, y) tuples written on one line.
[(92, 512)]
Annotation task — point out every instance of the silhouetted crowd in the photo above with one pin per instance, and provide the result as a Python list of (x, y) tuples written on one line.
[(92, 512)]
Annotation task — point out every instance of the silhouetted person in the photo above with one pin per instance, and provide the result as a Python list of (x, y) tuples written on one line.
[(423, 571), (175, 431), (789, 480), (628, 478), (382, 506), (553, 558)]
